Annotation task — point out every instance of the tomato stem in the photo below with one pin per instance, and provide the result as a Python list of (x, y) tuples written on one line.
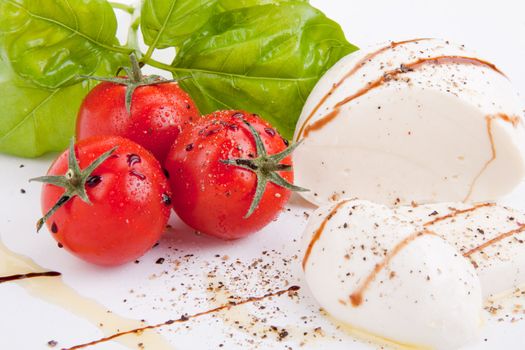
[(134, 80), (136, 73), (74, 181), (265, 167)]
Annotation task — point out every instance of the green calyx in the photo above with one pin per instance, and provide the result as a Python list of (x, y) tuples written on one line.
[(266, 167), (134, 80), (74, 181)]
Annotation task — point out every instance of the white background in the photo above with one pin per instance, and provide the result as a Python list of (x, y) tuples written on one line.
[(495, 29)]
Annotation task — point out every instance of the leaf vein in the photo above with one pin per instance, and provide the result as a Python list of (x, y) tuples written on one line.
[(240, 76), (77, 32), (29, 115), (164, 24)]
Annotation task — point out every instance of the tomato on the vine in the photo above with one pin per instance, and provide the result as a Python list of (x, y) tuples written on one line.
[(231, 172), (148, 110), (106, 200)]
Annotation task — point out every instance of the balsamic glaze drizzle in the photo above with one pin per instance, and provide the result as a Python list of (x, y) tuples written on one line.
[(185, 318), (29, 275)]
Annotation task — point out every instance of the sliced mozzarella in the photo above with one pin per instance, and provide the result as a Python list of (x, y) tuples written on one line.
[(491, 237), (422, 120), (383, 275)]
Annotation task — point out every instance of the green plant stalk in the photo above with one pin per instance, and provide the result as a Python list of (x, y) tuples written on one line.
[(126, 8), (157, 64), (133, 38)]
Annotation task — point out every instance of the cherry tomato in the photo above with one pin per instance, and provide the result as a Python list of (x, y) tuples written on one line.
[(218, 198), (157, 111), (129, 195)]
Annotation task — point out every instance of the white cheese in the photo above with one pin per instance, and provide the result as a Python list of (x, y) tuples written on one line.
[(385, 276), (421, 120), (490, 236)]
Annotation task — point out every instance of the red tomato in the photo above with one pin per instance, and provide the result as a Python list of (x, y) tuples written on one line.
[(213, 197), (130, 198), (158, 112)]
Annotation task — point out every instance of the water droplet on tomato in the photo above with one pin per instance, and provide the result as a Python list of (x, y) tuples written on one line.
[(133, 159), (135, 173), (270, 131), (93, 181), (166, 199), (212, 132)]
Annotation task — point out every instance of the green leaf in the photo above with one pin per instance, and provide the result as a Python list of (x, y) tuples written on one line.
[(166, 23), (227, 5), (50, 43), (35, 120), (263, 59), (43, 46)]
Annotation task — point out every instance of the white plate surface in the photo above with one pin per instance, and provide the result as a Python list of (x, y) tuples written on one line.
[(265, 261)]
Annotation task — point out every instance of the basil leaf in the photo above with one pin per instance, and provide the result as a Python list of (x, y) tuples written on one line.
[(227, 5), (167, 23), (35, 120), (263, 59), (43, 46), (51, 42)]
